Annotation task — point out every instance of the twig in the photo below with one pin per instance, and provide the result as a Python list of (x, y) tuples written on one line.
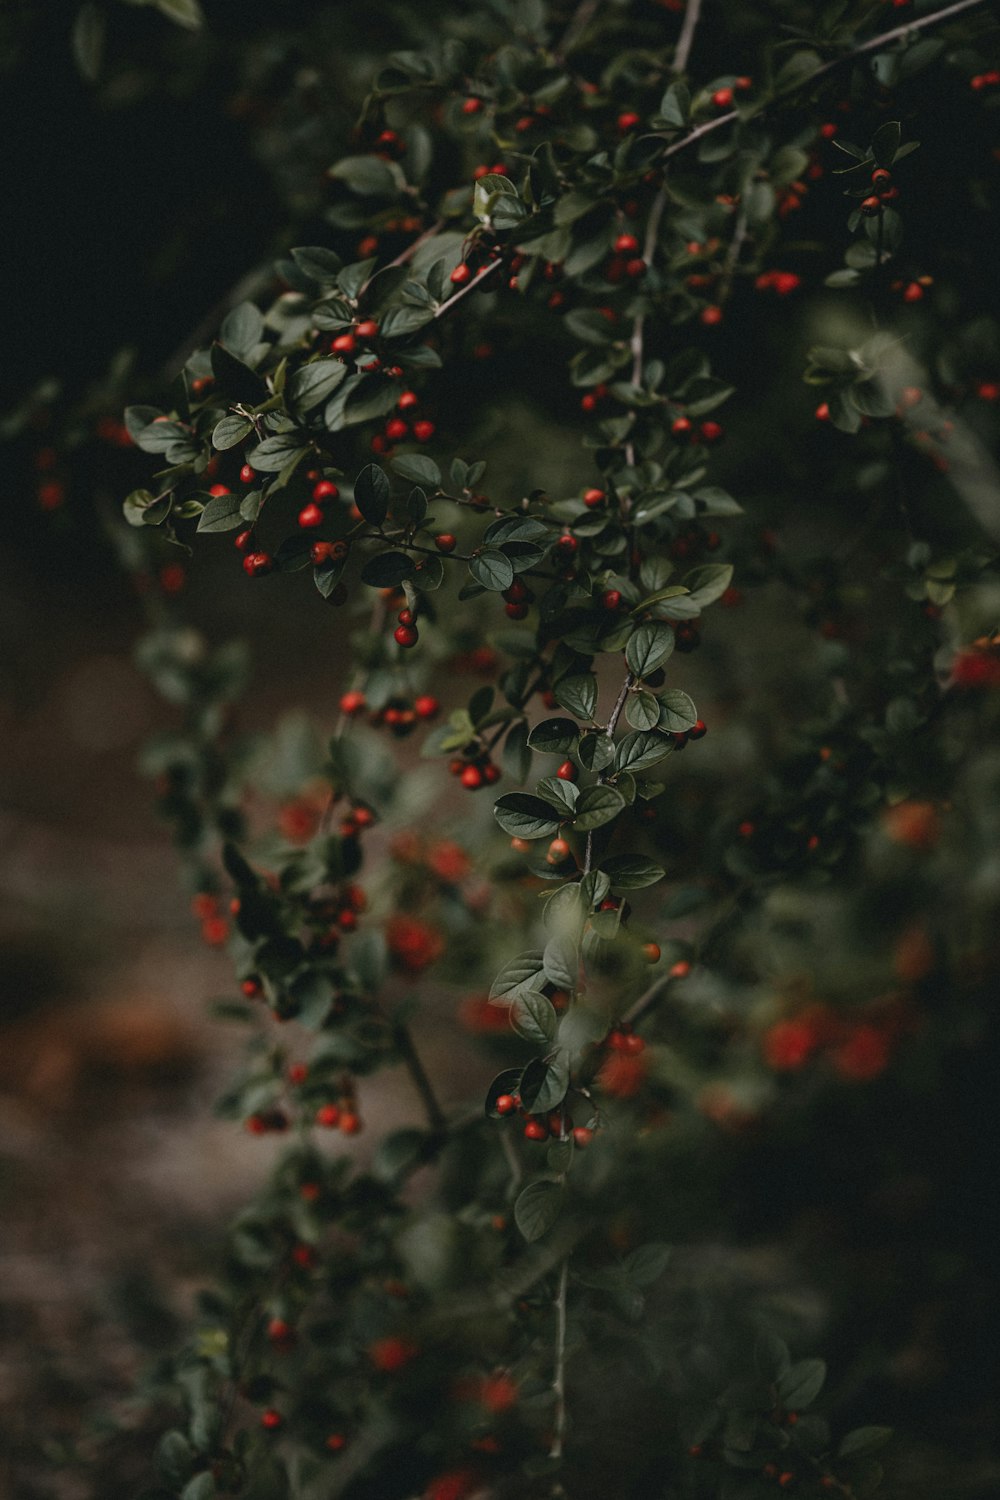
[(637, 341), (920, 23), (559, 1376), (691, 13), (403, 1038), (470, 286)]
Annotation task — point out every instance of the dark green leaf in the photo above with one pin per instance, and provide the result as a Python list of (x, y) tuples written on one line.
[(418, 468), (230, 431), (386, 569), (222, 513), (554, 736), (648, 648), (597, 806), (533, 1017), (677, 711), (630, 872), (645, 747), (537, 1208), (492, 569), (371, 494), (578, 694), (525, 817)]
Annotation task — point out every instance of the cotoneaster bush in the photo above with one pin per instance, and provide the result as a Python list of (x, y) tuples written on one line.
[(630, 219)]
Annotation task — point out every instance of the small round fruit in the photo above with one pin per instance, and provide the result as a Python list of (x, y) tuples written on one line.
[(405, 635)]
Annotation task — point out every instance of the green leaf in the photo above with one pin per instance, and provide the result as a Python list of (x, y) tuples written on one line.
[(201, 1487), (174, 1457), (492, 569), (677, 711), (525, 817), (707, 584), (368, 176), (631, 872), (516, 754), (230, 431), (648, 648), (419, 468), (554, 736), (88, 40), (885, 143), (533, 1017), (313, 383), (387, 569), (801, 1384), (596, 751), (271, 456), (563, 795), (518, 975), (675, 106), (647, 1264), (186, 13), (578, 694), (642, 710), (242, 330), (561, 959), (544, 1084), (222, 513), (864, 1440), (371, 494), (537, 1208), (236, 379), (643, 748), (319, 264)]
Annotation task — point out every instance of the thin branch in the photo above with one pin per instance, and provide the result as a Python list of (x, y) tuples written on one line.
[(403, 1038), (691, 13), (559, 1377), (920, 23), (470, 286)]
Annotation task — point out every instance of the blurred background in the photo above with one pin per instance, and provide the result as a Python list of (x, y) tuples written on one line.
[(158, 169)]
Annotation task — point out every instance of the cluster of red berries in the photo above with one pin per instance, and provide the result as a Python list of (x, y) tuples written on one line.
[(399, 714), (214, 927), (980, 81), (883, 191), (541, 1127), (517, 598), (476, 769), (686, 431), (402, 426), (781, 282), (405, 633), (342, 1116), (725, 98)]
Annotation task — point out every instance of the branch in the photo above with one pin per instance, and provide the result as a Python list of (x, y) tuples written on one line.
[(559, 1376), (403, 1038), (464, 291), (691, 13), (921, 23)]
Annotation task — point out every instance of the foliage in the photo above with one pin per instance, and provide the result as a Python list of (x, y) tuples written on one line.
[(713, 946)]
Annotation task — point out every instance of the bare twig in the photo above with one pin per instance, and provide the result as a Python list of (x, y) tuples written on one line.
[(559, 1377), (470, 286), (691, 13)]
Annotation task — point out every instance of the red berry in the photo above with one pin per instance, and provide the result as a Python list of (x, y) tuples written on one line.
[(651, 953), (711, 316), (594, 497), (471, 106), (625, 244), (628, 120), (328, 1115), (242, 540), (336, 1441), (396, 429), (681, 427), (472, 777), (405, 635), (871, 206), (247, 474), (256, 563), (445, 542), (567, 771), (426, 707), (461, 274), (535, 1130), (310, 515), (698, 730), (271, 1419), (423, 431), (611, 599), (558, 850), (506, 1104), (345, 343), (368, 329), (220, 489), (325, 490), (723, 98), (350, 1123), (407, 401), (711, 432), (582, 1137), (405, 617), (516, 611)]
